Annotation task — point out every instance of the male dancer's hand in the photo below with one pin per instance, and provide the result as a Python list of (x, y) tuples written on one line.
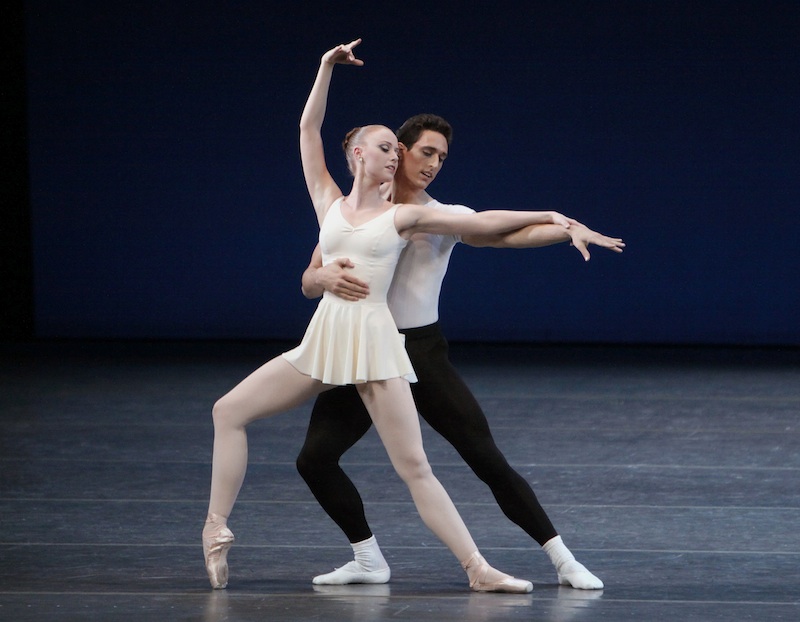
[(336, 278), (581, 236)]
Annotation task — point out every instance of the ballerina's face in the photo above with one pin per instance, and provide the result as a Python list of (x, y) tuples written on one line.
[(380, 154)]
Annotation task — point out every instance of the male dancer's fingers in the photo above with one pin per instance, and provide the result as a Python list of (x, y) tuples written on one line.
[(580, 245), (357, 287), (598, 239), (614, 244), (344, 262), (348, 280), (351, 289), (348, 297), (345, 294)]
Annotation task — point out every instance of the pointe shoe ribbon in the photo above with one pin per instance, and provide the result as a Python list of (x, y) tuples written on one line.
[(484, 578), (217, 541)]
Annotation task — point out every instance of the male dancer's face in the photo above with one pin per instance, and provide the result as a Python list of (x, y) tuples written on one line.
[(420, 164)]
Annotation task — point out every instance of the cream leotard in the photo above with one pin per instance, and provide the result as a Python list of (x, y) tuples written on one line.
[(354, 342)]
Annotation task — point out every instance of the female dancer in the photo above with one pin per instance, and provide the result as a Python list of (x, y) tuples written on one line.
[(354, 342)]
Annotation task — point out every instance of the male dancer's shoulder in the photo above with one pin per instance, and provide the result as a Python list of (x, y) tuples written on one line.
[(453, 208)]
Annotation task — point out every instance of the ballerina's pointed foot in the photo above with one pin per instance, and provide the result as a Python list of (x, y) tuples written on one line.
[(484, 578), (575, 574), (217, 541)]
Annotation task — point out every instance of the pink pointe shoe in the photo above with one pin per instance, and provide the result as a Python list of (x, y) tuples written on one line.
[(217, 540), (484, 578)]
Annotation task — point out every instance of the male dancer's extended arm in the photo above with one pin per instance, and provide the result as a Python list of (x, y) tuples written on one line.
[(535, 236), (337, 279)]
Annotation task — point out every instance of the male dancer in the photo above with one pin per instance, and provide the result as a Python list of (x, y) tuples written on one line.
[(339, 419)]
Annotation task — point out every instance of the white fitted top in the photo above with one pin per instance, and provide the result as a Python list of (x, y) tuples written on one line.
[(414, 293)]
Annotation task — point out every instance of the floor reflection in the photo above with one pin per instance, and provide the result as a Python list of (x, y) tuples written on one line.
[(374, 603)]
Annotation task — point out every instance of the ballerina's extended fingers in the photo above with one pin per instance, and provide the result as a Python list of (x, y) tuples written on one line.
[(343, 53)]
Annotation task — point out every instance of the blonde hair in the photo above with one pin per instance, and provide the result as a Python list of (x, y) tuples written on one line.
[(356, 138)]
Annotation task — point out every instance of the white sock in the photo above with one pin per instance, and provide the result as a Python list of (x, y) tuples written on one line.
[(570, 572), (368, 566), (368, 555)]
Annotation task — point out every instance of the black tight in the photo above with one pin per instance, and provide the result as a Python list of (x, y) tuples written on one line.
[(339, 420)]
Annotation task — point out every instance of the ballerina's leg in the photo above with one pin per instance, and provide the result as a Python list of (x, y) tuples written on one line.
[(273, 388), (394, 414)]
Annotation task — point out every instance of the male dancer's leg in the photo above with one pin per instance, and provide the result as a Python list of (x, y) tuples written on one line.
[(449, 407), (447, 404), (338, 420)]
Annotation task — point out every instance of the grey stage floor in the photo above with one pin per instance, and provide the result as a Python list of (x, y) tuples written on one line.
[(671, 473)]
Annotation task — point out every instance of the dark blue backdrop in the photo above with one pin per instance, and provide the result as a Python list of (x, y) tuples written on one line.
[(168, 199)]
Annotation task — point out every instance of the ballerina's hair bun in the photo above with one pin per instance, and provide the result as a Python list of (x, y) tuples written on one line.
[(352, 139)]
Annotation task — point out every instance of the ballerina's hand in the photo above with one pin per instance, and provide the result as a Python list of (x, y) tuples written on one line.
[(343, 54), (560, 219)]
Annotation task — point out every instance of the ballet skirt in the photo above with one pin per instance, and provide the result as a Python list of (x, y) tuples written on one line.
[(352, 342)]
